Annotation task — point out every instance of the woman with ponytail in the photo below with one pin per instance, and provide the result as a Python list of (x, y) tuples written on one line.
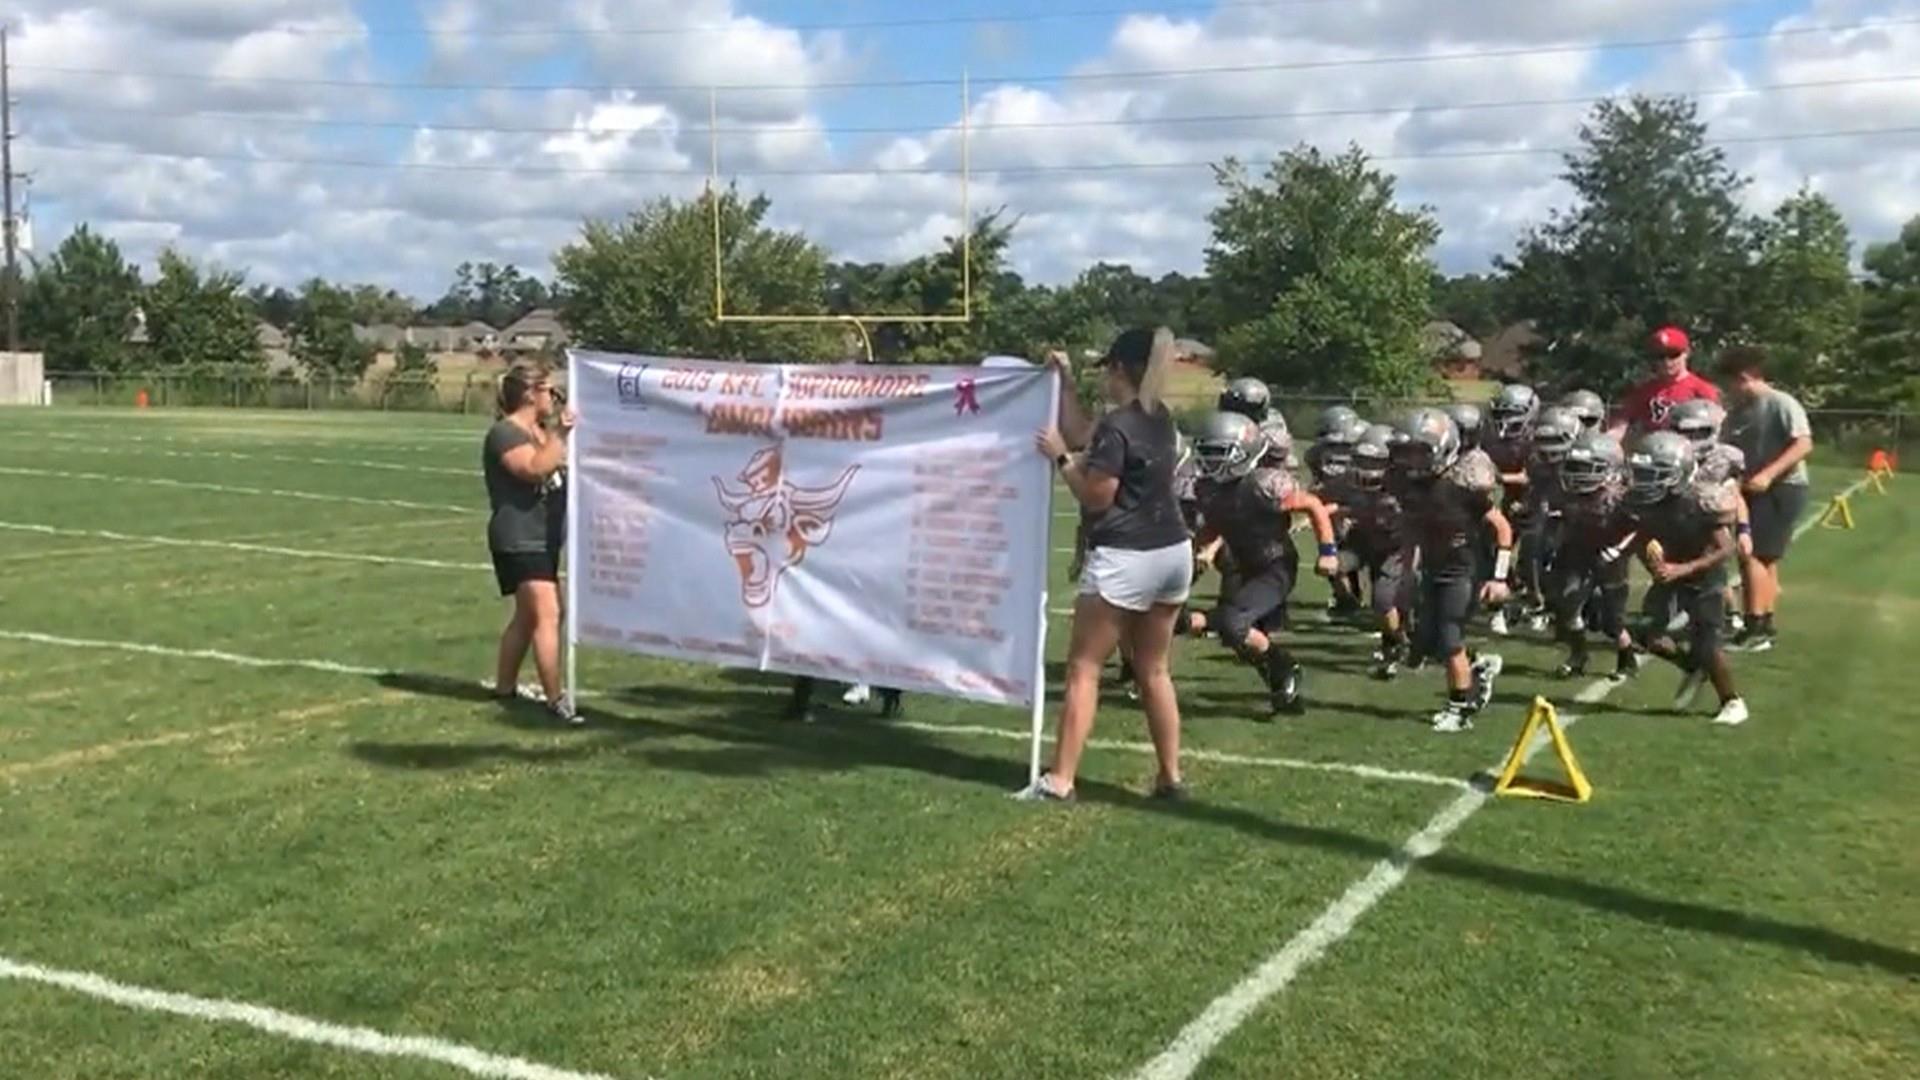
[(523, 461), (1139, 561)]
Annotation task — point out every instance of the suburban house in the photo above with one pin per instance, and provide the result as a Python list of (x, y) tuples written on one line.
[(1453, 352), (1506, 355), (537, 331)]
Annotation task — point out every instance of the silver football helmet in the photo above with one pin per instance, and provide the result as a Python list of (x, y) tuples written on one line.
[(1588, 406), (1554, 433), (1429, 443), (1660, 463), (1228, 446), (1593, 460)]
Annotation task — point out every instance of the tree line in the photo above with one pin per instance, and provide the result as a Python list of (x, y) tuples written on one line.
[(1318, 278)]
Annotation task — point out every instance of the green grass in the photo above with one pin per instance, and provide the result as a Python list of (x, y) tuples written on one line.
[(691, 889)]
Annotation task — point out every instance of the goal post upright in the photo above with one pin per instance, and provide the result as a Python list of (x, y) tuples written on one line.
[(859, 322)]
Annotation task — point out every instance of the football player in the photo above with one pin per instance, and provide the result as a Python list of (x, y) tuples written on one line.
[(1253, 399), (1329, 461), (1248, 502), (1469, 419), (1375, 543), (1587, 581), (1699, 421), (1510, 447), (1684, 533), (1448, 497)]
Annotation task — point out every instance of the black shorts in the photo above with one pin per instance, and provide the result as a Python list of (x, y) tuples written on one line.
[(1775, 513), (1258, 602), (1446, 602), (514, 568)]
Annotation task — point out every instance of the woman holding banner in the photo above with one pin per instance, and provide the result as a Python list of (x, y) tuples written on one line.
[(522, 461), (1139, 564)]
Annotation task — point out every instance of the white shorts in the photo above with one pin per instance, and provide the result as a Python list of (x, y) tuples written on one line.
[(1138, 580)]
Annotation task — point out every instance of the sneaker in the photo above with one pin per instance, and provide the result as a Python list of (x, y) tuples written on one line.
[(1626, 666), (1385, 668), (1540, 623), (1690, 684), (1743, 641), (857, 694), (1284, 686), (1497, 625), (1573, 667), (1485, 671), (1762, 642), (563, 710), (1737, 623), (1732, 714), (1453, 720), (1042, 790), (1174, 792)]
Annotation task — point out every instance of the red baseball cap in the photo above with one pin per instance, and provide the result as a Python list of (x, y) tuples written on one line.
[(1669, 341)]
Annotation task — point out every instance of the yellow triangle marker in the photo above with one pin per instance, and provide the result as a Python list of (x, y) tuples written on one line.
[(1839, 514), (1577, 789), (1877, 481)]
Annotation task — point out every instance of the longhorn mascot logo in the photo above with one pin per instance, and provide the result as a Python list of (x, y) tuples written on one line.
[(773, 523)]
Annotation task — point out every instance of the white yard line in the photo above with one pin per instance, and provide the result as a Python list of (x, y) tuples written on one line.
[(284, 459), (1368, 772), (228, 489), (234, 545), (1227, 1012), (360, 1040), (217, 655)]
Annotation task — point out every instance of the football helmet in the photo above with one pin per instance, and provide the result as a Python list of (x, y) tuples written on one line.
[(1513, 410), (1660, 463), (1594, 458), (1554, 433), (1429, 443), (1249, 398), (1228, 446), (1586, 405)]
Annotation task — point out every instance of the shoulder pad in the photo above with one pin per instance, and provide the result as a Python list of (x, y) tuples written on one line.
[(1718, 501), (1474, 472), (1275, 484)]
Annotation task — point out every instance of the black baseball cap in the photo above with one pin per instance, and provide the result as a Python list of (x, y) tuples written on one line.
[(1131, 352)]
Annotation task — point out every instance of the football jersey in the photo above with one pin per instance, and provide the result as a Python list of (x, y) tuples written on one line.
[(1376, 522), (1589, 521), (1443, 514), (1186, 482), (1686, 522), (1510, 456), (1246, 514)]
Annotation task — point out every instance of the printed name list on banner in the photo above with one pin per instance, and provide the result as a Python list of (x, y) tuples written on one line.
[(863, 524)]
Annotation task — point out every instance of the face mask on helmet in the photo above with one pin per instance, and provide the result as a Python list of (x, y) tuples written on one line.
[(1697, 421), (1333, 459), (1428, 446), (1247, 397), (1582, 473), (1658, 467), (1513, 411)]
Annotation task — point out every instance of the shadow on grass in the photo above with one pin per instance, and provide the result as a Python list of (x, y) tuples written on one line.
[(754, 744)]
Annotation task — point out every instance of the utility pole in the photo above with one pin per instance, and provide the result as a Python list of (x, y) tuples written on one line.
[(6, 182)]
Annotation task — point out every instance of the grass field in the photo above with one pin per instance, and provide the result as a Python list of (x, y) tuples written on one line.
[(689, 888)]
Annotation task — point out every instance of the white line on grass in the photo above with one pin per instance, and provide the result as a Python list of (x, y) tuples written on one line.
[(233, 545), (195, 485), (1231, 1009), (1368, 772), (327, 666), (332, 668), (358, 1039), (1228, 1011), (284, 459)]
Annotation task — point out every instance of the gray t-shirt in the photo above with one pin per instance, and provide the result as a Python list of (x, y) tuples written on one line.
[(1141, 449), (524, 515), (1764, 427)]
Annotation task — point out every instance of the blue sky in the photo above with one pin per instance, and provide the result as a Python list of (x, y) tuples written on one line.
[(217, 168)]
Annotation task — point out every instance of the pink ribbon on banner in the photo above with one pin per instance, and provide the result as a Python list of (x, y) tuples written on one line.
[(966, 397)]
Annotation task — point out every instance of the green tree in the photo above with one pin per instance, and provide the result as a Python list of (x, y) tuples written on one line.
[(78, 305), (274, 304), (1475, 303), (196, 318), (413, 362), (1320, 276), (934, 285), (323, 339), (1886, 366), (1656, 235), (1809, 308), (646, 284)]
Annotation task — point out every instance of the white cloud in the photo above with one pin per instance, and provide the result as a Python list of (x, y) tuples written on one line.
[(407, 227)]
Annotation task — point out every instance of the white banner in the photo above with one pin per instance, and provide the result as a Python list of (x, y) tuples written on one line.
[(886, 525)]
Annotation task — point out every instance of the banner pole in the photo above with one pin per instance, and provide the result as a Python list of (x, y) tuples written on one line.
[(571, 617), (1039, 719)]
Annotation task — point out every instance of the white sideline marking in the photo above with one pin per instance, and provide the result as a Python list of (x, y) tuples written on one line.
[(1369, 772), (327, 666), (310, 436), (234, 545), (358, 1039), (195, 485), (1231, 1009), (285, 459)]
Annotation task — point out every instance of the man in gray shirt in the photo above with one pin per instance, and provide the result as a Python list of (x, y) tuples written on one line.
[(1770, 427)]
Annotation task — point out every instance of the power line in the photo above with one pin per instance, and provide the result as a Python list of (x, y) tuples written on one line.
[(1007, 170), (301, 120), (1035, 77), (691, 29)]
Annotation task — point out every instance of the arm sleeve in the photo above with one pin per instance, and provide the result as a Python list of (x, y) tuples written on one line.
[(1795, 415), (1107, 452), (505, 437)]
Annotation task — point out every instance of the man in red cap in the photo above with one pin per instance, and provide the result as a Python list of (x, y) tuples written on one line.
[(1645, 407)]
